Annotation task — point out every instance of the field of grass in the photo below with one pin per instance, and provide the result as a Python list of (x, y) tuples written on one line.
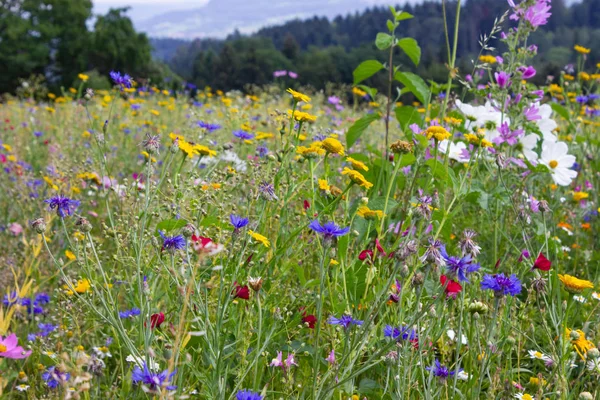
[(306, 244)]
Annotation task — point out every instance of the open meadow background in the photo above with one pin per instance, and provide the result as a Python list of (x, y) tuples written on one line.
[(274, 200)]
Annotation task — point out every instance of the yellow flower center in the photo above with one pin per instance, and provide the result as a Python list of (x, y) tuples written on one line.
[(553, 164), (538, 354), (3, 348)]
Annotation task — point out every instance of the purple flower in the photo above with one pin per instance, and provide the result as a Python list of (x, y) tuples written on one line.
[(292, 75), (55, 377), (130, 313), (527, 72), (64, 205), (502, 79), (172, 243), (507, 136), (279, 74), (329, 229), (238, 222), (502, 284), (539, 13), (152, 379), (433, 253), (208, 126), (333, 100), (401, 332), (532, 113), (248, 395), (459, 267), (441, 371), (345, 321), (243, 135), (581, 99), (124, 81)]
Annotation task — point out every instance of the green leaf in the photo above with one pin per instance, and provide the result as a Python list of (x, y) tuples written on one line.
[(370, 91), (407, 115), (407, 159), (366, 69), (390, 25), (383, 41), (415, 84), (402, 15), (359, 127), (560, 110), (411, 48), (437, 168), (169, 225)]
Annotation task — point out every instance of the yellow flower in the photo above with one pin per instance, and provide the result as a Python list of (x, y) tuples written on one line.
[(359, 92), (333, 262), (323, 185), (453, 121), (73, 90), (537, 381), (259, 238), (50, 110), (573, 284), (581, 49), (50, 183), (78, 236), (368, 214), (437, 132), (333, 146), (7, 147), (301, 116), (358, 165), (580, 343), (314, 150), (298, 96), (204, 151), (357, 178), (70, 255), (83, 77), (373, 104), (154, 112), (487, 58), (584, 76), (578, 196), (83, 285), (51, 96), (264, 135), (569, 77)]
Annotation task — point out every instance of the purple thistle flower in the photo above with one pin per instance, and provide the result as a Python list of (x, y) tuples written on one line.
[(441, 371), (152, 379), (502, 79), (172, 243), (243, 135), (124, 81), (345, 321), (459, 267), (502, 284), (238, 222), (328, 230), (64, 205), (433, 253), (248, 395)]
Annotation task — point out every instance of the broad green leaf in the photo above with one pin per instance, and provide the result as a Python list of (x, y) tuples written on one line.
[(169, 225), (407, 159), (390, 25), (407, 115), (560, 110), (415, 84), (411, 48), (383, 41), (359, 127), (437, 168), (365, 70), (402, 15)]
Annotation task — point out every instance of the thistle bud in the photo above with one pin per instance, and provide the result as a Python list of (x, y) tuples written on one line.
[(574, 335), (593, 353), (188, 230), (174, 147), (83, 224), (418, 279), (255, 283), (227, 146), (89, 94), (39, 225)]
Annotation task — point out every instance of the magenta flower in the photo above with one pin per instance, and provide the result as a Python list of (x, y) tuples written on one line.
[(539, 13), (527, 72), (9, 348), (502, 79), (279, 362), (532, 113)]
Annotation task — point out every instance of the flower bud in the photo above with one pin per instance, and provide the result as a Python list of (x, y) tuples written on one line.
[(418, 279), (593, 353), (586, 396), (174, 147), (255, 283), (39, 225), (401, 147), (188, 230), (574, 335), (83, 224)]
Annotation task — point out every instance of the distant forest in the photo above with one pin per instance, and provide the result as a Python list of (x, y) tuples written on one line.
[(322, 50)]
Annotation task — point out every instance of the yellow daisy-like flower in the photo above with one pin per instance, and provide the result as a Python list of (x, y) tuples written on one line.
[(70, 255), (359, 92), (487, 58), (580, 343), (569, 77), (314, 150), (333, 146), (357, 178), (358, 165), (333, 262), (264, 135), (584, 76), (301, 116), (581, 49), (478, 140), (575, 285), (453, 121), (578, 196), (368, 214), (437, 132), (537, 381), (82, 286), (259, 238), (298, 96), (323, 185), (204, 151)]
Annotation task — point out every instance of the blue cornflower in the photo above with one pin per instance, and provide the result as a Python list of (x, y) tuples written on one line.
[(345, 321), (262, 150), (243, 135), (130, 313), (328, 230), (124, 81), (55, 377), (502, 284), (238, 222), (32, 307), (42, 298), (208, 126), (38, 133), (152, 379), (172, 243), (11, 299), (441, 371), (581, 99), (401, 332), (458, 266), (248, 395), (593, 97), (46, 329), (64, 205)]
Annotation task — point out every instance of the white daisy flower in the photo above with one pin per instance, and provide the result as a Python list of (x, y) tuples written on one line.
[(22, 387), (139, 361), (533, 354), (523, 396), (101, 352), (463, 376), (555, 156), (452, 335), (596, 295), (529, 143), (593, 365), (580, 299)]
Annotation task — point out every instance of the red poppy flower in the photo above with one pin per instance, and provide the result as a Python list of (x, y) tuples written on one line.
[(242, 292), (451, 287), (542, 263)]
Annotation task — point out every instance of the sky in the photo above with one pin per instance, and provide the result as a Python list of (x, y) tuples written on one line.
[(188, 19)]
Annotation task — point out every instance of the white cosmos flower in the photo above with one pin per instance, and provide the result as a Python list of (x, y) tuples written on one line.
[(458, 151), (555, 156), (482, 117), (594, 365), (547, 125), (529, 142), (452, 335)]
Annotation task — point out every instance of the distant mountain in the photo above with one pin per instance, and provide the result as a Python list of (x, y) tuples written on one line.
[(218, 18)]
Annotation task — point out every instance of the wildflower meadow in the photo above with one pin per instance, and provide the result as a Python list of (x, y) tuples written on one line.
[(435, 240)]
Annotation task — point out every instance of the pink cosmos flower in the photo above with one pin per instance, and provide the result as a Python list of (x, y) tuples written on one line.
[(9, 348)]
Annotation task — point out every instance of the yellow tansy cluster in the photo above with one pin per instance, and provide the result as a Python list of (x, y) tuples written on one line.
[(437, 132)]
